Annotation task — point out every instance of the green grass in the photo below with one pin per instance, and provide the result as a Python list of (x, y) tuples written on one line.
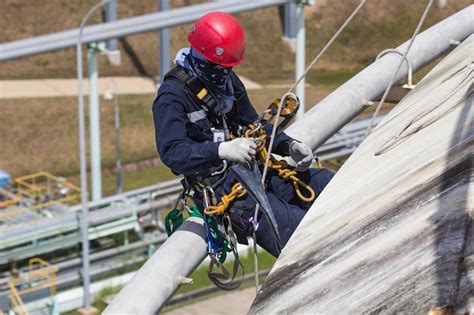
[(137, 179), (328, 79), (41, 134), (200, 278)]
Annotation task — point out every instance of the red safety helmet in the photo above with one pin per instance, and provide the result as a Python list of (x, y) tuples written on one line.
[(219, 37)]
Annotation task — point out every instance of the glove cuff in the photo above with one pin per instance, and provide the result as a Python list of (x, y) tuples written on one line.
[(292, 143), (284, 147)]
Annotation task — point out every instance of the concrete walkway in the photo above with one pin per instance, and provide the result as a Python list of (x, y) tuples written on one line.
[(68, 87), (232, 303)]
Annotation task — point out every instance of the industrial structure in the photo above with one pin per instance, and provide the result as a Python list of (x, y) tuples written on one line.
[(393, 232), (29, 230), (40, 215)]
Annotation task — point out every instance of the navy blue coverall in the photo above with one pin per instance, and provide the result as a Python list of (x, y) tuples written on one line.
[(185, 144)]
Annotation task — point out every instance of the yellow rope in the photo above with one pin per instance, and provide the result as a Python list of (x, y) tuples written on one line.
[(280, 166), (236, 192)]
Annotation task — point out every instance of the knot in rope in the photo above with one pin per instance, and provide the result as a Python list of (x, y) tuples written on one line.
[(237, 192), (280, 166)]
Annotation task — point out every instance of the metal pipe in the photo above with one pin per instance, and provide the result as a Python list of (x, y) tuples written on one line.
[(164, 44), (342, 105), (118, 155), (94, 123), (162, 188), (300, 58), (72, 263), (82, 158), (156, 281)]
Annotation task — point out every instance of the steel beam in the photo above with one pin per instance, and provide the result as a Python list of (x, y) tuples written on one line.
[(164, 48), (61, 235), (126, 27), (110, 16)]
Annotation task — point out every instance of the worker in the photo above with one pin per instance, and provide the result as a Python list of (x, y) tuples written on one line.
[(200, 111)]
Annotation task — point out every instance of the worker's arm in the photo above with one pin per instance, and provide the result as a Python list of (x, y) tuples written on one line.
[(177, 150)]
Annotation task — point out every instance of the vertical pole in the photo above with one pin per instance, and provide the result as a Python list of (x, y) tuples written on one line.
[(290, 20), (94, 120), (83, 166), (300, 57), (118, 162), (164, 44), (150, 250), (125, 238), (110, 16), (83, 162)]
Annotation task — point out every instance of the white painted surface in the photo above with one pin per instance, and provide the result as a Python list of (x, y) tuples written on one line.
[(388, 233)]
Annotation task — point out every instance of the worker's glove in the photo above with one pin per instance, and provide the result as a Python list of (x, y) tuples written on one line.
[(237, 150), (302, 155)]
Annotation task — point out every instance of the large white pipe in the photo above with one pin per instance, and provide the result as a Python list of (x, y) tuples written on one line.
[(342, 105), (156, 281)]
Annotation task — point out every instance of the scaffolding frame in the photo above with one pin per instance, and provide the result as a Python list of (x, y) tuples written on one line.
[(42, 184), (41, 275)]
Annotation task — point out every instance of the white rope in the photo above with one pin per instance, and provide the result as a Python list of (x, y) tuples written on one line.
[(333, 38), (275, 125), (387, 90)]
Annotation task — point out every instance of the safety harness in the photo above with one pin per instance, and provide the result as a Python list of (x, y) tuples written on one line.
[(196, 89), (221, 239), (257, 132)]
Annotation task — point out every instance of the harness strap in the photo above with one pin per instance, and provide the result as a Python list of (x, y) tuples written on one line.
[(196, 89), (224, 280)]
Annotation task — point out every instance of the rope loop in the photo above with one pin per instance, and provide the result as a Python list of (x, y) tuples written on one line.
[(237, 192)]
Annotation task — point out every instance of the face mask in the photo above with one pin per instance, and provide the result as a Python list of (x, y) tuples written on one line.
[(211, 72), (214, 76)]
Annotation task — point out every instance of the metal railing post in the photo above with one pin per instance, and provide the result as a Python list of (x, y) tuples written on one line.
[(300, 56), (83, 162), (94, 123), (164, 44)]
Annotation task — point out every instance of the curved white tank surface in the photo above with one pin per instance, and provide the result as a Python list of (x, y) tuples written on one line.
[(393, 232)]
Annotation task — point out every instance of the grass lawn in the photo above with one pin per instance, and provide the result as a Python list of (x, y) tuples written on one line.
[(131, 180), (42, 134)]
